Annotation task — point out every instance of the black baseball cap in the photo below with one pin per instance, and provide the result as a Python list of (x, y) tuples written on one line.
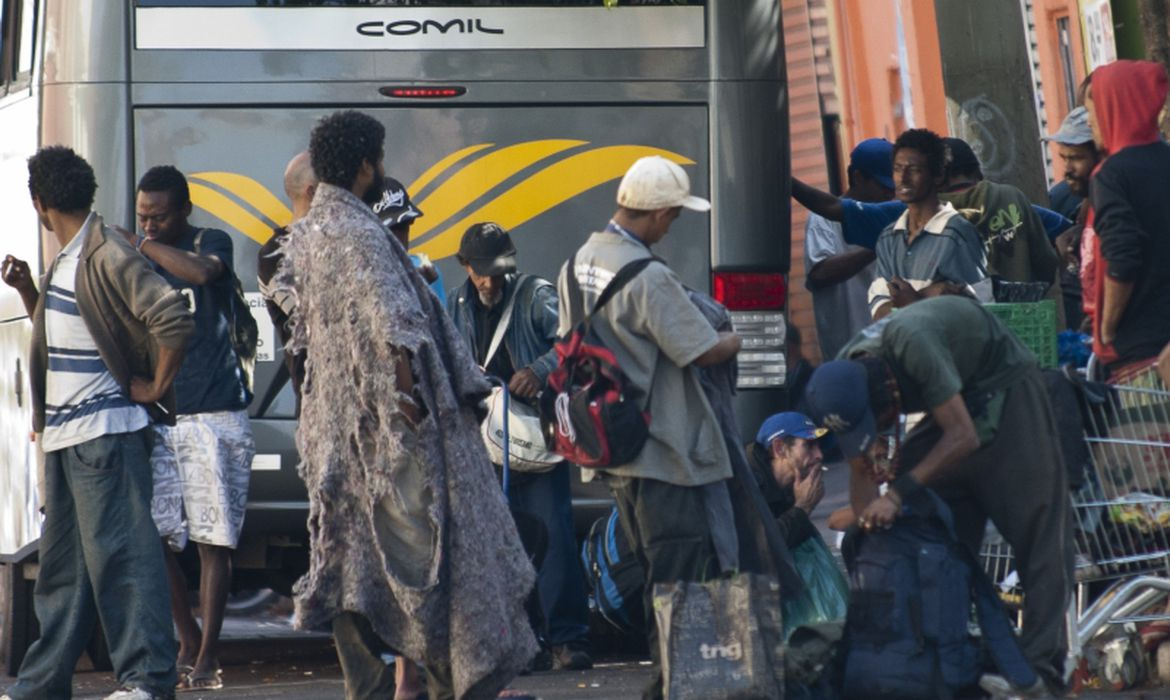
[(961, 157), (395, 207), (488, 249)]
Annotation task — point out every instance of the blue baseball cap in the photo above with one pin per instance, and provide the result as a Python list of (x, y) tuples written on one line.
[(785, 424), (837, 396), (874, 157)]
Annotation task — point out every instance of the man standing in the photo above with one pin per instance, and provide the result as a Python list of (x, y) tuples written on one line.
[(1075, 144), (839, 274), (1131, 215), (988, 446), (398, 214), (657, 334), (108, 340), (929, 247), (203, 463), (522, 358), (410, 541)]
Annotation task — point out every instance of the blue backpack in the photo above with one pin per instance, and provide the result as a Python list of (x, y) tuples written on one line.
[(911, 591), (614, 574)]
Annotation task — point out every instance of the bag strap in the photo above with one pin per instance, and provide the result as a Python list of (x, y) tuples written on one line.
[(1001, 640), (620, 279), (505, 321)]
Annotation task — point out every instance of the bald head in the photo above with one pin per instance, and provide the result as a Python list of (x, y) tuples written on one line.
[(300, 183)]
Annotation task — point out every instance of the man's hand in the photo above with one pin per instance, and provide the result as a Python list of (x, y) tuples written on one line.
[(525, 384), (944, 288), (1067, 245), (902, 293), (879, 514), (17, 275), (809, 490), (143, 390)]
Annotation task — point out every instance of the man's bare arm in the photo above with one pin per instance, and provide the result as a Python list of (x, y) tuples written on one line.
[(722, 351), (187, 266), (818, 201), (1117, 295), (840, 267), (143, 390)]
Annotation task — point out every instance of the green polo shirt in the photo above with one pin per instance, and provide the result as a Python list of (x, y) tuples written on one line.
[(945, 346)]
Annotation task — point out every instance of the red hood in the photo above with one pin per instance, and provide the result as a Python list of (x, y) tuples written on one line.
[(1127, 98)]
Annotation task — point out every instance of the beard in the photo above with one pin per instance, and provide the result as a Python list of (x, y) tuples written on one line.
[(374, 194), (490, 300)]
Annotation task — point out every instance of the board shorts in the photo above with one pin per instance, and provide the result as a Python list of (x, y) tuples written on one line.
[(202, 466)]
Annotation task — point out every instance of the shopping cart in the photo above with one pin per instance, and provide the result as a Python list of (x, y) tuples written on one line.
[(1121, 531)]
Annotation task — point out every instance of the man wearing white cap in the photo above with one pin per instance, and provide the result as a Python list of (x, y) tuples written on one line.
[(657, 334)]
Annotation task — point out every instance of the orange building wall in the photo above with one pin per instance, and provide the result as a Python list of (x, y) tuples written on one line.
[(868, 73), (808, 156), (1051, 77)]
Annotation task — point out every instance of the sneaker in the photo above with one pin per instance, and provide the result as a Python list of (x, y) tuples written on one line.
[(571, 657), (137, 694), (1000, 689)]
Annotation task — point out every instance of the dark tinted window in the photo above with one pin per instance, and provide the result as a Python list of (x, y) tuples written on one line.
[(406, 3)]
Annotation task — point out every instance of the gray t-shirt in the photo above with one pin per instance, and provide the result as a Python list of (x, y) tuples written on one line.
[(655, 332), (840, 309)]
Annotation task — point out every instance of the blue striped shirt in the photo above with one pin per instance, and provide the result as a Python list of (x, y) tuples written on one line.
[(82, 399)]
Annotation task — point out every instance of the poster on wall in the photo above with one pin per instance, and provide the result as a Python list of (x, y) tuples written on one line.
[(1097, 30)]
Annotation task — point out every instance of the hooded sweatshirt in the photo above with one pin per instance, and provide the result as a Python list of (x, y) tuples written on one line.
[(1130, 207)]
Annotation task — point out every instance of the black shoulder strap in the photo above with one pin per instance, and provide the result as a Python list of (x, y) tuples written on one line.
[(628, 272), (1001, 641)]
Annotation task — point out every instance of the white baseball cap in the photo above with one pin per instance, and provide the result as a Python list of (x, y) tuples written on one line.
[(654, 182)]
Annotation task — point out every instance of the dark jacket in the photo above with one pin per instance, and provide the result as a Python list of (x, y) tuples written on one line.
[(129, 310), (533, 330), (793, 522)]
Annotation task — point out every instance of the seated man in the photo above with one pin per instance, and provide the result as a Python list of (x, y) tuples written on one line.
[(948, 258), (787, 462)]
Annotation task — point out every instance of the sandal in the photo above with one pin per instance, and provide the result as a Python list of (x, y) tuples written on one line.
[(192, 682), (513, 694)]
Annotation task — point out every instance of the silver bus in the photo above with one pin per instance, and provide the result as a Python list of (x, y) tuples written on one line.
[(522, 112)]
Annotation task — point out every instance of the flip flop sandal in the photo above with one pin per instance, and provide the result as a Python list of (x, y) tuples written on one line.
[(192, 683), (513, 694)]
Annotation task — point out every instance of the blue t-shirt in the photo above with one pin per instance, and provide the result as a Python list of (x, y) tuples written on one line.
[(209, 379), (437, 285)]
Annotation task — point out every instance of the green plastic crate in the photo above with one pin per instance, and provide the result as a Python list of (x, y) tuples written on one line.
[(1034, 323)]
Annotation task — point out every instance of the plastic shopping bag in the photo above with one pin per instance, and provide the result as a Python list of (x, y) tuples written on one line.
[(721, 640), (826, 592)]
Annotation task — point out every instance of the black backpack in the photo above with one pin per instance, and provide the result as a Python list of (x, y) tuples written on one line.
[(615, 576), (910, 597), (590, 413)]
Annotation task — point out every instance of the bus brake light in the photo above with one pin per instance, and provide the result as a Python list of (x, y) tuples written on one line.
[(750, 291), (425, 93)]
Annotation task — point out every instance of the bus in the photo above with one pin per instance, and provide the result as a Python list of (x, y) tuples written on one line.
[(526, 113)]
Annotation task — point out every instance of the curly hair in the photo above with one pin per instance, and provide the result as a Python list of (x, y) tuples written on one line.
[(166, 178), (61, 179), (928, 144), (340, 142)]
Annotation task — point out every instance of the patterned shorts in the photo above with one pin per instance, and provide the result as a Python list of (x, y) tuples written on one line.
[(201, 466)]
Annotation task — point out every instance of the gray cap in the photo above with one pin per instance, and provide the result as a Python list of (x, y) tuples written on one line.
[(1074, 130)]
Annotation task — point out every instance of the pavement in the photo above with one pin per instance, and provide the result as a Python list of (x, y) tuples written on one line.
[(263, 657)]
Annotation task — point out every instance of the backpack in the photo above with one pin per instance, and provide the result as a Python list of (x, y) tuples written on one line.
[(243, 332), (589, 412), (911, 591), (614, 574)]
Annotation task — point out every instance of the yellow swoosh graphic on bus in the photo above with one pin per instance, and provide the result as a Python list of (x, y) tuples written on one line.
[(252, 192), (477, 178), (231, 213), (436, 169), (473, 184), (535, 195)]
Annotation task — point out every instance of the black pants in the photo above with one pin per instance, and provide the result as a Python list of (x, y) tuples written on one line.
[(1018, 481), (667, 527)]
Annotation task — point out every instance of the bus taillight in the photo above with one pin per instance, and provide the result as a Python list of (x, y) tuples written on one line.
[(756, 302), (750, 291), (424, 93)]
